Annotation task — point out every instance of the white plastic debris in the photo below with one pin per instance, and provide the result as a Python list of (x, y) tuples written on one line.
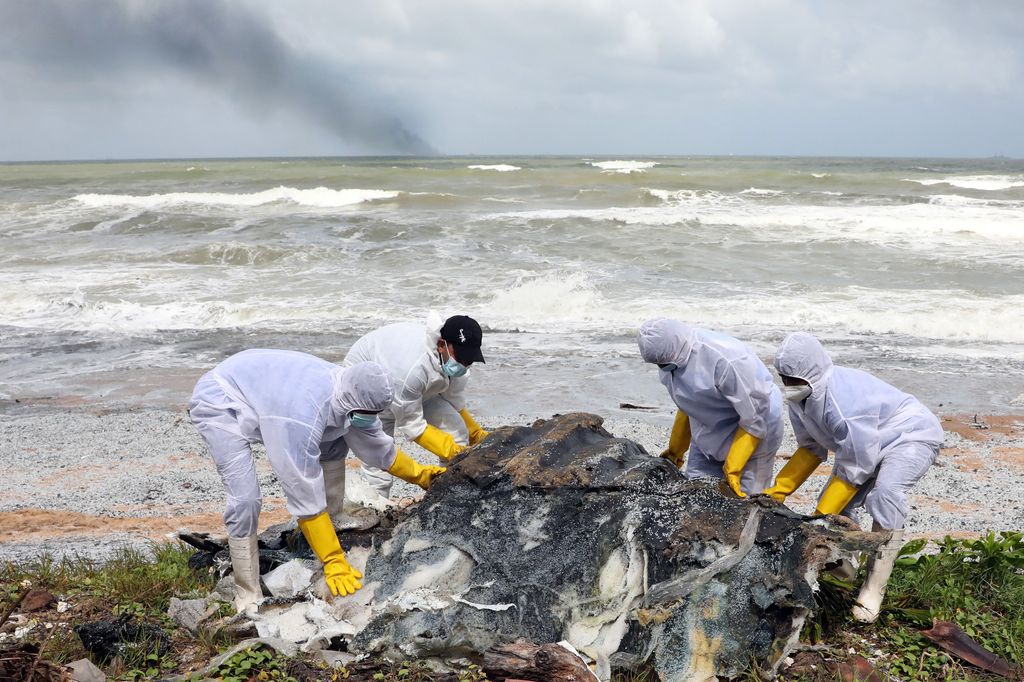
[(289, 580)]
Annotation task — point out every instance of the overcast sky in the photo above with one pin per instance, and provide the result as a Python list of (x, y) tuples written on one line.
[(197, 78)]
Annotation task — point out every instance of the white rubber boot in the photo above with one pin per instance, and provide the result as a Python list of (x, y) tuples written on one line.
[(334, 486), (869, 601), (245, 564)]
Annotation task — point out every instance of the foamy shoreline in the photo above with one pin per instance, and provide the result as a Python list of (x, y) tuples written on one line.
[(78, 481)]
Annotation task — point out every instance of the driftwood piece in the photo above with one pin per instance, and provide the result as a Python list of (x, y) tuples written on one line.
[(950, 637), (528, 661)]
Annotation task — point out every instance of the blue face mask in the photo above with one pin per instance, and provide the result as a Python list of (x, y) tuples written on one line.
[(668, 367), (362, 421), (453, 368)]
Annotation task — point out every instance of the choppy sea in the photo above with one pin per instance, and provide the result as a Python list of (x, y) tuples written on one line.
[(123, 281)]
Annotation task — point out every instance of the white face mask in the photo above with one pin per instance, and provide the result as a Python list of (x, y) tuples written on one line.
[(796, 393)]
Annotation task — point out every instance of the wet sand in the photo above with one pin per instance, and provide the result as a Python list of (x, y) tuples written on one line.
[(87, 481)]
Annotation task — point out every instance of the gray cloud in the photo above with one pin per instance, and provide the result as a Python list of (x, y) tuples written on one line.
[(219, 43), (917, 77)]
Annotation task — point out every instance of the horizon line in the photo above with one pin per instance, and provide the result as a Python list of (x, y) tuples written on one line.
[(634, 155)]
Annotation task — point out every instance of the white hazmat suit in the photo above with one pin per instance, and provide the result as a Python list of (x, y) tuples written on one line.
[(721, 385), (298, 406), (884, 440), (423, 393)]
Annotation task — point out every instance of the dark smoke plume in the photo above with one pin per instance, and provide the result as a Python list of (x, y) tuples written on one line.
[(217, 42)]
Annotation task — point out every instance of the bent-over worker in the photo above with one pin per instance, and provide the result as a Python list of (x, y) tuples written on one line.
[(308, 413), (884, 440), (729, 415)]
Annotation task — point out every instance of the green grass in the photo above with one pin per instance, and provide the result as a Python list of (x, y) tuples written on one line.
[(977, 584), (131, 580)]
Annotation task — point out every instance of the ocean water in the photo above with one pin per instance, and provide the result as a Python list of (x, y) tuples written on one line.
[(123, 281)]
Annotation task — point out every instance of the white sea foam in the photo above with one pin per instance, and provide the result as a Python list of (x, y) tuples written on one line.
[(500, 167), (989, 183), (545, 300), (319, 197), (557, 302), (758, 192), (624, 166), (971, 228), (821, 175), (562, 302), (81, 312)]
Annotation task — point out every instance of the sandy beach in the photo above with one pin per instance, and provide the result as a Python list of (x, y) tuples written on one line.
[(82, 481)]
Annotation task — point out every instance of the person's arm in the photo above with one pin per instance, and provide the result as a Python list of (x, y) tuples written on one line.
[(859, 451), (476, 432), (738, 384), (678, 440), (378, 449), (857, 457), (293, 448), (793, 475)]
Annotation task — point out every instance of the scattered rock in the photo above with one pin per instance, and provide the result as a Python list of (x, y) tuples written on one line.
[(190, 613), (83, 670), (36, 600), (858, 669)]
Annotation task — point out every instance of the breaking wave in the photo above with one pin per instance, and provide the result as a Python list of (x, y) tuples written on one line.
[(988, 183), (500, 167), (623, 166), (564, 302), (319, 197)]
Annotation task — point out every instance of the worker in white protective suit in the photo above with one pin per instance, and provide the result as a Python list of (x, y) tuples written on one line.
[(884, 440), (729, 409), (307, 412), (429, 367)]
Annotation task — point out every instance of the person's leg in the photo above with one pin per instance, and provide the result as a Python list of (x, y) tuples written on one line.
[(334, 487), (233, 457), (902, 466), (440, 413), (699, 465), (378, 479)]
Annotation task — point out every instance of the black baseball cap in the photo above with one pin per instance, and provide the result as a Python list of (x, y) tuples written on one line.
[(464, 333)]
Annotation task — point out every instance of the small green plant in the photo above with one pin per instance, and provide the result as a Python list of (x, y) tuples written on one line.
[(472, 673), (254, 664), (149, 667)]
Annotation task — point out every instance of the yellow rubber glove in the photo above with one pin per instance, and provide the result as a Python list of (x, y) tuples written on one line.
[(440, 443), (797, 470), (408, 469), (476, 432), (678, 440), (837, 495), (743, 446), (340, 576)]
